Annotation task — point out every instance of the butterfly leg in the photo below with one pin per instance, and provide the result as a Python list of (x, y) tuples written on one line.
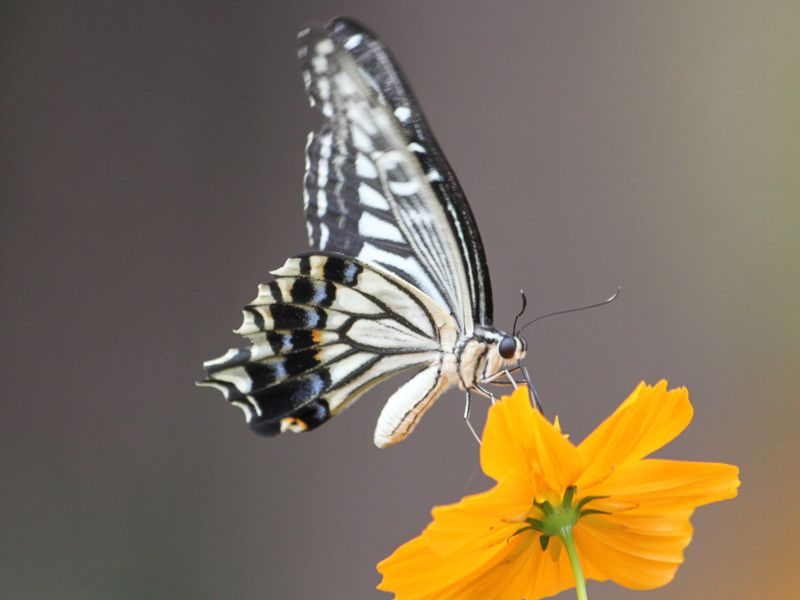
[(511, 381), (467, 406), (484, 392), (531, 390), (505, 372)]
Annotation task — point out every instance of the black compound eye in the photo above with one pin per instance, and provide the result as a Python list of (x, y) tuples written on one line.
[(508, 347)]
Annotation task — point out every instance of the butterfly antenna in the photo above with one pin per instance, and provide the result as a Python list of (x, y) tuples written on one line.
[(571, 310), (524, 306)]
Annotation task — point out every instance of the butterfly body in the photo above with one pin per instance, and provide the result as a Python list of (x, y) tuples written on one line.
[(397, 278)]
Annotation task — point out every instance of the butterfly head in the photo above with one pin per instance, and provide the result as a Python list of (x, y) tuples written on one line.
[(512, 348), (505, 351), (508, 349)]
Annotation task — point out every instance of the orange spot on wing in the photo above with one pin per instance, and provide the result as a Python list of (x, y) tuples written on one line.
[(293, 424)]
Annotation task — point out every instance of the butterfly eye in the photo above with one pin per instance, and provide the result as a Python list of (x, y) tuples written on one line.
[(508, 347)]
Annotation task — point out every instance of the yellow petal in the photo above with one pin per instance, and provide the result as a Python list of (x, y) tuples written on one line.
[(552, 573), (530, 574), (642, 558), (518, 439), (508, 579), (659, 486), (649, 419), (457, 525), (415, 571), (641, 546), (515, 569)]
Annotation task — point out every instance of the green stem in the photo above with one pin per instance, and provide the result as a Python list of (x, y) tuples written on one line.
[(572, 552)]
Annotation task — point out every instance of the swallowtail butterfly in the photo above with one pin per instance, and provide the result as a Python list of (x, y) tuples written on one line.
[(397, 277)]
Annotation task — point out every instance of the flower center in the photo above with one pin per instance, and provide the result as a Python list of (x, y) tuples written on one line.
[(559, 519)]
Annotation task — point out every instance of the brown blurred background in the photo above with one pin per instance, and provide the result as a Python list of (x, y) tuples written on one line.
[(151, 168)]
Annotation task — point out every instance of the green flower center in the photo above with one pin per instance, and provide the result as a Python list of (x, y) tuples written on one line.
[(559, 519)]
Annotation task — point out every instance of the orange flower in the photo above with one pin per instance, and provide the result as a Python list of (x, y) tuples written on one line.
[(627, 515)]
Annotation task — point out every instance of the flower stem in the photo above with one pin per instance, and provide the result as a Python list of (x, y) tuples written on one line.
[(572, 552)]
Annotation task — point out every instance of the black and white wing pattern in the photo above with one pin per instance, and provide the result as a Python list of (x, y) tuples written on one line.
[(377, 186)]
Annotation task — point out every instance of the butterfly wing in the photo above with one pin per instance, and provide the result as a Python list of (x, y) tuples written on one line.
[(377, 186), (322, 333)]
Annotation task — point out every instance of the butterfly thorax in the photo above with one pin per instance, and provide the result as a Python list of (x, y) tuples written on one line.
[(478, 356)]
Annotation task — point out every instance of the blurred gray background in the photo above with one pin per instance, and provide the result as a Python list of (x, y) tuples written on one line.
[(151, 165)]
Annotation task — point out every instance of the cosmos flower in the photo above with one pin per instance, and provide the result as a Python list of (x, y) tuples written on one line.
[(561, 513)]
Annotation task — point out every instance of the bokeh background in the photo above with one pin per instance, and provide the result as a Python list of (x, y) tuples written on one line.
[(151, 165)]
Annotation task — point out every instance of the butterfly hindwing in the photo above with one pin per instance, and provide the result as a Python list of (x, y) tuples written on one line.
[(322, 333), (377, 187)]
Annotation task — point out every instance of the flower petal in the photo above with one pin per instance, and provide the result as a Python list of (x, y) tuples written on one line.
[(552, 572), (641, 545), (650, 418), (518, 568), (635, 557), (415, 571), (654, 486), (532, 574), (509, 578), (458, 525), (518, 439)]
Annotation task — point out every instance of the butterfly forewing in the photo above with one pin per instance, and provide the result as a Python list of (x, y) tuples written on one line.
[(377, 186)]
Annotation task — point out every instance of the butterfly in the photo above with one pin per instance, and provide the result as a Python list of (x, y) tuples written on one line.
[(397, 277)]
